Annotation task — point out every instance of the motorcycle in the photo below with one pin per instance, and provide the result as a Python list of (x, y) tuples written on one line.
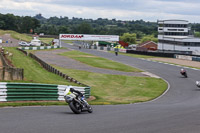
[(77, 102), (198, 83), (184, 73)]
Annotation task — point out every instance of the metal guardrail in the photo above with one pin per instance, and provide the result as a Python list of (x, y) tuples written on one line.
[(36, 92), (50, 68), (54, 70)]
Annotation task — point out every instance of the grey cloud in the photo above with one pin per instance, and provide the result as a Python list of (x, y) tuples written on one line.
[(167, 6), (176, 7)]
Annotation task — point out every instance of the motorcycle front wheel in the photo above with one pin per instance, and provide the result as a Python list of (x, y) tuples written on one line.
[(75, 107), (90, 110)]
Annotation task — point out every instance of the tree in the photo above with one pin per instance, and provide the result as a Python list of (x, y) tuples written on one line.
[(85, 28), (197, 34), (149, 38), (128, 38), (63, 29)]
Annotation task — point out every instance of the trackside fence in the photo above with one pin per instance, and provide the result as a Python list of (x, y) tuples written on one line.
[(50, 68), (36, 92), (54, 70)]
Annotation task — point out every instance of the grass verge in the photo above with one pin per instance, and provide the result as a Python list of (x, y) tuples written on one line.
[(108, 89), (28, 103), (118, 89), (98, 61), (23, 37), (33, 72), (46, 40), (16, 35)]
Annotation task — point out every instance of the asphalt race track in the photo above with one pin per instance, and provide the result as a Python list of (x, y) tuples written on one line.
[(177, 111)]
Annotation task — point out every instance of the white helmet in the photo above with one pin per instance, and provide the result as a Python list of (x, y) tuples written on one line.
[(198, 83)]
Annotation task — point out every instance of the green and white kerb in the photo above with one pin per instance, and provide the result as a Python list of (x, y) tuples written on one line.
[(35, 91)]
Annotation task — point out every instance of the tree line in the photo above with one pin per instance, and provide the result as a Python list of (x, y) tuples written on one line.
[(24, 24), (138, 29), (56, 25)]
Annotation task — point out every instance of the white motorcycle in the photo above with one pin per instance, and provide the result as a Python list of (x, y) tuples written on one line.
[(77, 102), (198, 83)]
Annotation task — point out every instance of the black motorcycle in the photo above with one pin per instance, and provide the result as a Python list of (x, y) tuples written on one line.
[(184, 73), (77, 102)]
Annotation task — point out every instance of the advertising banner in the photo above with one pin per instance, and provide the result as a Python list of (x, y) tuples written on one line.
[(88, 37)]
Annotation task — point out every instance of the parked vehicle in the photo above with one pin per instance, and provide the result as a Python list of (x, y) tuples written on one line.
[(77, 102), (22, 43), (35, 42), (183, 72)]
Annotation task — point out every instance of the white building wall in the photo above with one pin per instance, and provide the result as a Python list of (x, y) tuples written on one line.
[(163, 30), (164, 46), (172, 22)]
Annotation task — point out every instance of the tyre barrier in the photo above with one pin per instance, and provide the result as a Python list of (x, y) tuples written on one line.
[(38, 48), (36, 92)]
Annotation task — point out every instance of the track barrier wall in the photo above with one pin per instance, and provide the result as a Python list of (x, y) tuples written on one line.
[(191, 58), (36, 91)]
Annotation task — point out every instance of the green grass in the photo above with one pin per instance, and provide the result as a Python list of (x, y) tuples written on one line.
[(107, 89), (68, 41), (23, 37), (98, 61), (16, 35), (46, 40), (28, 103), (118, 89), (33, 72)]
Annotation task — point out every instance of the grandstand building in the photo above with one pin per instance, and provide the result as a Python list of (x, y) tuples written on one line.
[(175, 35)]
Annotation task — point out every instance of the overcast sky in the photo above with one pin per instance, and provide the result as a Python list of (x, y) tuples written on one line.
[(148, 10)]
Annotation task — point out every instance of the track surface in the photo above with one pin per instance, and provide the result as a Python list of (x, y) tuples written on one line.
[(178, 111)]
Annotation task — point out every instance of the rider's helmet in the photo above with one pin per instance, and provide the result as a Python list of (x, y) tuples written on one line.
[(72, 89), (182, 70), (198, 83)]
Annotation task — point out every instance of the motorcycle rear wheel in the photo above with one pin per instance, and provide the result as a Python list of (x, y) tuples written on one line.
[(75, 107)]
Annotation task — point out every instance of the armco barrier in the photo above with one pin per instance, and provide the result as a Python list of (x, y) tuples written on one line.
[(160, 54), (54, 70), (35, 91)]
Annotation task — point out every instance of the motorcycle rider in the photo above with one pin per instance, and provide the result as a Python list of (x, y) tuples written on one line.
[(183, 71), (77, 92), (198, 83)]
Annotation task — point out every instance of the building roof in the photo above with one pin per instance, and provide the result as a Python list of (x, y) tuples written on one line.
[(145, 43)]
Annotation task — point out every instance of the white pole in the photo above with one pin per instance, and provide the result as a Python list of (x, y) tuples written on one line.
[(59, 41)]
